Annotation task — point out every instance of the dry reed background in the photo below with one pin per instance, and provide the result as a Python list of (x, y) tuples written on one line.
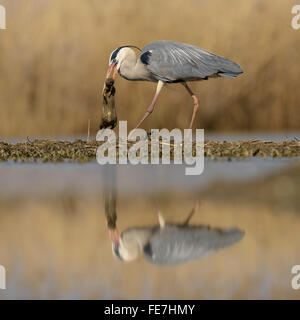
[(53, 58), (54, 54)]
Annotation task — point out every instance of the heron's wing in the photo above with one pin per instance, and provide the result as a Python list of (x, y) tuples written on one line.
[(173, 61), (174, 245)]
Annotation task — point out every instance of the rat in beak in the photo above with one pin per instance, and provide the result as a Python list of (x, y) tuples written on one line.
[(112, 67)]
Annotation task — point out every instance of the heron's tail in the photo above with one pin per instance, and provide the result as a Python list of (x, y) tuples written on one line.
[(229, 69), (230, 236)]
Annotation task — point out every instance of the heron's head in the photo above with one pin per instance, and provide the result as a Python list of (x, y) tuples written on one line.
[(117, 57), (126, 249)]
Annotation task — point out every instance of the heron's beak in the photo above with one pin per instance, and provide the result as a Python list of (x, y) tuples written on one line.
[(114, 237), (112, 67)]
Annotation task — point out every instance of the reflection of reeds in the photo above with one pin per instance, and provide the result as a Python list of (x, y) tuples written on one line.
[(55, 249), (54, 55)]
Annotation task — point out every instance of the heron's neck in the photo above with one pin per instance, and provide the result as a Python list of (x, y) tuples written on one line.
[(133, 69), (139, 236)]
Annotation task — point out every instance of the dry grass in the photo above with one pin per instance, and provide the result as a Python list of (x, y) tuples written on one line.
[(78, 150), (54, 55)]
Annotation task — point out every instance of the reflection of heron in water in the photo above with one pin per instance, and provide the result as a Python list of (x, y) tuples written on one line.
[(170, 244)]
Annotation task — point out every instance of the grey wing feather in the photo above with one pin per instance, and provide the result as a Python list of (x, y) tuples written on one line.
[(173, 61), (174, 245)]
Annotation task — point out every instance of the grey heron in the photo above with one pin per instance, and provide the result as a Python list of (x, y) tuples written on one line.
[(170, 62), (172, 244)]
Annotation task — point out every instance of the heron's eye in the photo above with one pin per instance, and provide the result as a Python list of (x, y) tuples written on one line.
[(114, 60)]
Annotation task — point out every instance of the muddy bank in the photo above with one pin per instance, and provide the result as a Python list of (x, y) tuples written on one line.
[(79, 150)]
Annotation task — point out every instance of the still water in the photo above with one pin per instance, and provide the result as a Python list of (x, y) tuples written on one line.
[(232, 232)]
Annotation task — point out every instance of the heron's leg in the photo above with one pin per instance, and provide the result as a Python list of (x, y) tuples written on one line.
[(196, 104), (161, 220), (186, 222), (151, 107)]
